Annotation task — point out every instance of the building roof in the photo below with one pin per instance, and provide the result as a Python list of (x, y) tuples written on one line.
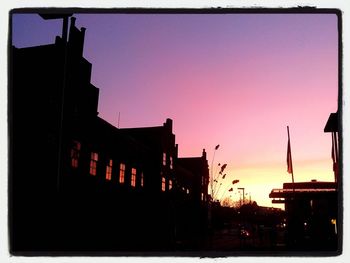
[(310, 185), (195, 164), (304, 189)]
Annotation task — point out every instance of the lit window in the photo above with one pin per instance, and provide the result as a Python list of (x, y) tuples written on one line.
[(164, 159), (93, 163), (187, 191), (133, 177), (202, 197), (109, 170), (163, 184), (142, 180), (122, 173), (170, 184), (74, 154), (171, 162)]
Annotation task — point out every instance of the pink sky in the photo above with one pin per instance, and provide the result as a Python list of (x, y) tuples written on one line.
[(231, 79)]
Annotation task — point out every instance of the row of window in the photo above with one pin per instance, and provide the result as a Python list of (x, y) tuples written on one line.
[(171, 165), (75, 153), (170, 185)]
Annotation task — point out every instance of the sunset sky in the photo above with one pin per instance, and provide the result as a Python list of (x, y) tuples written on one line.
[(236, 80)]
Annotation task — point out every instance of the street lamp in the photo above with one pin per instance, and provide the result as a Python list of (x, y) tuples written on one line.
[(241, 189)]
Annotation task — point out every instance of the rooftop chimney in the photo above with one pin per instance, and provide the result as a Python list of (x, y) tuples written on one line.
[(72, 21), (204, 154), (169, 124), (83, 33)]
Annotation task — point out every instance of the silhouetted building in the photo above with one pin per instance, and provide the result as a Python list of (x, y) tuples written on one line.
[(312, 212), (161, 142), (198, 166), (77, 182), (312, 208), (192, 179), (47, 83)]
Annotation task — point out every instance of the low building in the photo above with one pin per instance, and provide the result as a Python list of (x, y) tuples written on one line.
[(311, 213)]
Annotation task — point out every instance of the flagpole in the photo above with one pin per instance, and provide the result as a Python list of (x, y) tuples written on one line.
[(290, 155)]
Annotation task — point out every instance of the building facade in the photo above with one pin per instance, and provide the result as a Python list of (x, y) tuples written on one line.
[(78, 183)]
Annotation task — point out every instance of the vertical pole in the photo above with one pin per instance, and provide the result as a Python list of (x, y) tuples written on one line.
[(243, 197), (61, 139), (335, 154), (65, 29), (241, 189), (291, 162)]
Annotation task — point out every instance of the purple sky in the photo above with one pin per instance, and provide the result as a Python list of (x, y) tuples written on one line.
[(231, 79)]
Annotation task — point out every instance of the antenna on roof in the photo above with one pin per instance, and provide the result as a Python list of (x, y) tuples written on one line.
[(118, 119)]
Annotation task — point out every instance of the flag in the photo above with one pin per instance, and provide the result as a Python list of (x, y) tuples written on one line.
[(289, 159)]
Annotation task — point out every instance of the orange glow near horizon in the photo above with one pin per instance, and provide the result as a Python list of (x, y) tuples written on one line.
[(259, 180)]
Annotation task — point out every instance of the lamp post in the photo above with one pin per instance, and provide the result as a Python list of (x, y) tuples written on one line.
[(241, 189)]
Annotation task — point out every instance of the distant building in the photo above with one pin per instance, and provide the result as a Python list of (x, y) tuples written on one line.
[(79, 183)]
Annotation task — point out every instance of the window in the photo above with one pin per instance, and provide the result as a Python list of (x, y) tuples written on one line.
[(171, 162), (122, 173), (164, 159), (133, 177), (187, 191), (93, 163), (74, 154), (163, 184), (202, 196), (170, 184), (109, 170), (142, 180)]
